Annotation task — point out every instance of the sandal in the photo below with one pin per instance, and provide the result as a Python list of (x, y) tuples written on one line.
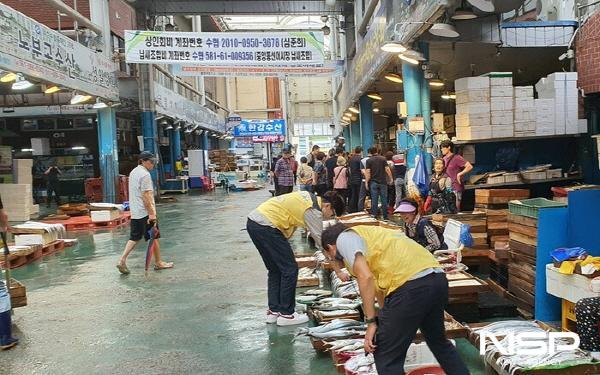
[(163, 266), (123, 269)]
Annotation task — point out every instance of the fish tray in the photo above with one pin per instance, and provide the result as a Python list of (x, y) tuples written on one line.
[(306, 282), (531, 207), (310, 263)]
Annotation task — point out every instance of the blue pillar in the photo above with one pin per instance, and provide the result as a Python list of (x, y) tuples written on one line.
[(204, 144), (346, 134), (177, 143), (355, 134), (366, 122), (149, 131), (426, 109), (412, 76), (108, 153)]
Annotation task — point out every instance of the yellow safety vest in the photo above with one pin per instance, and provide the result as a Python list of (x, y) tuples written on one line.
[(393, 258), (286, 212)]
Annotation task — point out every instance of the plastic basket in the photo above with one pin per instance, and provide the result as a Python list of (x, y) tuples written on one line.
[(531, 207)]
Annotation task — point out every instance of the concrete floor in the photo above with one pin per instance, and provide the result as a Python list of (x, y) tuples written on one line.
[(205, 316)]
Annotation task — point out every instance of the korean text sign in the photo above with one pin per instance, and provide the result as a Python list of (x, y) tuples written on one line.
[(225, 49), (256, 128)]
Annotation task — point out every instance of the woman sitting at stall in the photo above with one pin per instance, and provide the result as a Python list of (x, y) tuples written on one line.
[(418, 228), (441, 199)]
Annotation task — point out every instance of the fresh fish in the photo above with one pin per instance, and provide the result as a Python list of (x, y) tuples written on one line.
[(338, 333), (352, 347), (336, 300), (318, 292), (329, 314), (306, 272), (331, 326), (337, 344), (306, 299)]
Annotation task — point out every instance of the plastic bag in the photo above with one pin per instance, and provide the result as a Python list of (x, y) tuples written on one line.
[(565, 253), (420, 178), (465, 235)]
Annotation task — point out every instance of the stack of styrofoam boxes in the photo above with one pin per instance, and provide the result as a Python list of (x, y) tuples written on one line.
[(525, 113), (22, 174), (473, 108), (562, 88), (17, 201), (502, 104), (545, 117)]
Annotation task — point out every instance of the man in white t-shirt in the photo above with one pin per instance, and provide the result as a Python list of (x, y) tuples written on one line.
[(143, 211)]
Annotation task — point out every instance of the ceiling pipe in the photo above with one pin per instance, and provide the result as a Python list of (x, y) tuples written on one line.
[(367, 17), (70, 12)]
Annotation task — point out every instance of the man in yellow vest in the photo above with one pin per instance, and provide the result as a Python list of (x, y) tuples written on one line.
[(411, 288), (270, 226)]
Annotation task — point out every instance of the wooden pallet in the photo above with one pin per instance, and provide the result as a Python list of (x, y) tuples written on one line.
[(81, 223), (38, 253)]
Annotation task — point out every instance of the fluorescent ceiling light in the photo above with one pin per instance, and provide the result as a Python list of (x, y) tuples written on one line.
[(99, 104), (78, 148), (78, 98), (52, 89), (436, 82), (444, 30), (408, 59), (26, 150), (21, 83), (353, 109), (393, 47), (8, 77), (375, 95), (393, 77), (375, 110)]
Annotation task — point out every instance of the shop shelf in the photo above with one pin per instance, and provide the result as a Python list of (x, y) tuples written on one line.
[(531, 207)]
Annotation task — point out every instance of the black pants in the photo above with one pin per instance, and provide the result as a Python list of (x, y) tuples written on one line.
[(418, 304), (278, 256), (353, 194), (52, 188), (320, 190), (281, 189), (587, 312), (344, 194)]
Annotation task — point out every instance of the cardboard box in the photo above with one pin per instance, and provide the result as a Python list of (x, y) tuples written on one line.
[(473, 108), (523, 92), (502, 91), (438, 122), (475, 95), (470, 133), (106, 215), (502, 104), (471, 83), (479, 119), (503, 131)]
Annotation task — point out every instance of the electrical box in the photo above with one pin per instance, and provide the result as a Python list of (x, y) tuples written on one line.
[(402, 109), (416, 125)]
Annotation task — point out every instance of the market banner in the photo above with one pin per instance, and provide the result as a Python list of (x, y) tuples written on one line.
[(329, 69), (300, 49), (174, 105), (268, 138), (29, 47), (256, 128)]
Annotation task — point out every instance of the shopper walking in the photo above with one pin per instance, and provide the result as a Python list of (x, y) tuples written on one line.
[(377, 175), (399, 172), (320, 176), (305, 176), (340, 179), (356, 179), (330, 165), (419, 228), (362, 196), (441, 198), (312, 156), (456, 168), (295, 166), (143, 211), (284, 174), (270, 226), (53, 184), (413, 293), (7, 340)]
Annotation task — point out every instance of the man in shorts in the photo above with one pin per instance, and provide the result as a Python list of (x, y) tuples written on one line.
[(143, 211)]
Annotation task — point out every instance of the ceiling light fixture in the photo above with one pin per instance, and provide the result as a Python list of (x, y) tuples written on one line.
[(393, 47), (408, 59), (169, 127), (8, 77), (375, 95), (78, 148), (326, 30), (52, 89), (464, 12), (436, 82), (354, 109), (393, 77), (164, 122), (444, 30), (78, 98), (21, 83), (483, 5), (26, 150), (99, 104), (376, 110)]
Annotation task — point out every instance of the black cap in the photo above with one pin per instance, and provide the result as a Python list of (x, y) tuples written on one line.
[(146, 155)]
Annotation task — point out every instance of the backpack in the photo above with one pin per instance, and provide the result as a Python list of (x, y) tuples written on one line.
[(422, 238)]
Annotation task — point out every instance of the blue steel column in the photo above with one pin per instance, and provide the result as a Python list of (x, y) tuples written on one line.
[(355, 134), (412, 76), (346, 134), (426, 109), (149, 133), (108, 155), (176, 143), (366, 121), (204, 141)]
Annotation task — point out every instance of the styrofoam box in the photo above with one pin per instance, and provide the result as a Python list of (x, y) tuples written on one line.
[(34, 239), (468, 133), (544, 131), (572, 124), (467, 119), (560, 123), (523, 92), (471, 83), (525, 126), (502, 91), (501, 81), (544, 104), (501, 104), (419, 355), (524, 103), (502, 118), (104, 215), (437, 123), (570, 287), (475, 95), (525, 115), (503, 131), (473, 108), (525, 133), (582, 126)]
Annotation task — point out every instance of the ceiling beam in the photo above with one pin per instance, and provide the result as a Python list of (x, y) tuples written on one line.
[(240, 7)]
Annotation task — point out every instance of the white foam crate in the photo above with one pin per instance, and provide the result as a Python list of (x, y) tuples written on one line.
[(471, 83), (524, 103), (502, 118), (582, 126), (501, 104), (570, 287), (475, 95), (544, 131), (523, 92), (467, 119), (502, 91), (469, 133), (503, 131), (525, 115), (525, 126), (473, 108)]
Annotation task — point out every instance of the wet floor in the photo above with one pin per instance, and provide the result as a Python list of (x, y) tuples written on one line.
[(205, 316)]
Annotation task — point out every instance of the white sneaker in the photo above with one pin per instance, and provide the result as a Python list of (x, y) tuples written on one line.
[(272, 317), (290, 320)]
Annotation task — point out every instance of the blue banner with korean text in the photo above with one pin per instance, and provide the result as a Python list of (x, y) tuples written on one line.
[(254, 128)]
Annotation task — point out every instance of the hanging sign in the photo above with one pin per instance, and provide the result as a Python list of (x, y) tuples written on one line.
[(233, 120), (255, 128), (225, 49), (268, 138), (330, 68), (35, 50)]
